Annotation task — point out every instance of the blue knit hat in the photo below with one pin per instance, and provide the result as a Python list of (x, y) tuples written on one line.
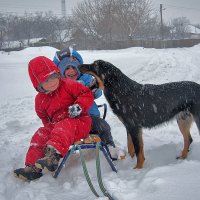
[(66, 62)]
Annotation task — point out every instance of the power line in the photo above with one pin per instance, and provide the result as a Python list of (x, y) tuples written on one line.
[(23, 7), (181, 7), (27, 12), (20, 9), (32, 10)]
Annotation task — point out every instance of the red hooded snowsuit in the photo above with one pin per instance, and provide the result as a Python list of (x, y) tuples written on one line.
[(59, 131)]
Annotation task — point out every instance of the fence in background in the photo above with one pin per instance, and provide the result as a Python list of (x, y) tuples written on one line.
[(93, 45)]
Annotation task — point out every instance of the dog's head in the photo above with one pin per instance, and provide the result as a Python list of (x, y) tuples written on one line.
[(100, 69)]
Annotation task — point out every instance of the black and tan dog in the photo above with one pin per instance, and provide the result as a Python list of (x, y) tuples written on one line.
[(144, 106)]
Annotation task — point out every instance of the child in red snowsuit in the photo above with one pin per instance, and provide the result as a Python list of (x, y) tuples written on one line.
[(62, 105)]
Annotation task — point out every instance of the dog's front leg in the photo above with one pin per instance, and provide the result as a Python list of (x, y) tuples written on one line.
[(136, 136), (131, 148)]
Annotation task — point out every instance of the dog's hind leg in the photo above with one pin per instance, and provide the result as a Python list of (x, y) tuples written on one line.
[(137, 145), (184, 122), (197, 121)]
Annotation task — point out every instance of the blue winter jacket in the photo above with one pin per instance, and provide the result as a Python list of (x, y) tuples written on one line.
[(61, 59), (86, 79)]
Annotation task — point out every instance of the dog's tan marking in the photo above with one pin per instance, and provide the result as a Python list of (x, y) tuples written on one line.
[(131, 149), (140, 156), (100, 82), (184, 126)]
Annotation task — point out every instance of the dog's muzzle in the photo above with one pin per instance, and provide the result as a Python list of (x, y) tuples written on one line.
[(84, 68)]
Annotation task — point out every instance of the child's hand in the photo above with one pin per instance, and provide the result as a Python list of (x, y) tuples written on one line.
[(74, 110)]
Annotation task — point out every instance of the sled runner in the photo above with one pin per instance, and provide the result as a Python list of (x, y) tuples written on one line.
[(88, 143)]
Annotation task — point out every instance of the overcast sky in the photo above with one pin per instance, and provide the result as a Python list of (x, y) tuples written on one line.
[(179, 8), (20, 6), (172, 8)]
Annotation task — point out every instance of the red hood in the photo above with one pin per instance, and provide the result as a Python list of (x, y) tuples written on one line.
[(40, 68)]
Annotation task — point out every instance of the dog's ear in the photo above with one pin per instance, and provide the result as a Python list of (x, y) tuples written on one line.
[(101, 66), (85, 67), (99, 62)]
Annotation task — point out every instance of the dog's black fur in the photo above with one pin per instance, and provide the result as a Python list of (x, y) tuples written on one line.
[(144, 106)]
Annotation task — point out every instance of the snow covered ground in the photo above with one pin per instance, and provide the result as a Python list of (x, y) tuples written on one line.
[(163, 177)]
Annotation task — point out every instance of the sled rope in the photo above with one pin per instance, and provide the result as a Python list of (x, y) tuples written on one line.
[(97, 146), (86, 172), (98, 167)]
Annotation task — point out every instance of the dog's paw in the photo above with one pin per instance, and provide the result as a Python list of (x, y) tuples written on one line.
[(181, 157), (139, 166), (184, 155), (132, 154)]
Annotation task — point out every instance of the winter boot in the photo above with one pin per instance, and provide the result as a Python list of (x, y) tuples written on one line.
[(116, 153), (50, 161), (28, 173)]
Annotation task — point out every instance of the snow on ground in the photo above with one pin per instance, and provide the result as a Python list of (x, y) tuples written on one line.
[(163, 177)]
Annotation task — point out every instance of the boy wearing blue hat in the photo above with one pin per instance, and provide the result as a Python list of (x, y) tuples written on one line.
[(68, 61)]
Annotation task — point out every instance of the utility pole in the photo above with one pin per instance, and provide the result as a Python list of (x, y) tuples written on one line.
[(161, 21), (63, 8)]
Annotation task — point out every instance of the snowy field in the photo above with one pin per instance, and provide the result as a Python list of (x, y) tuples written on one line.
[(162, 178)]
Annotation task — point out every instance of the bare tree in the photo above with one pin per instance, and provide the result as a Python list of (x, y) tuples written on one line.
[(2, 30), (88, 15), (7, 24), (108, 20), (133, 14), (180, 28), (38, 25)]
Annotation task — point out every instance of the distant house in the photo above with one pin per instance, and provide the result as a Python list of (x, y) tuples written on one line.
[(21, 43), (194, 32), (189, 32)]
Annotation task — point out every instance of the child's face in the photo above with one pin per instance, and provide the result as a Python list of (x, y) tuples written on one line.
[(71, 73), (51, 84)]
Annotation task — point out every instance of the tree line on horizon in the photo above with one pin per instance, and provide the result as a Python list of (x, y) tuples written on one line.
[(95, 22)]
